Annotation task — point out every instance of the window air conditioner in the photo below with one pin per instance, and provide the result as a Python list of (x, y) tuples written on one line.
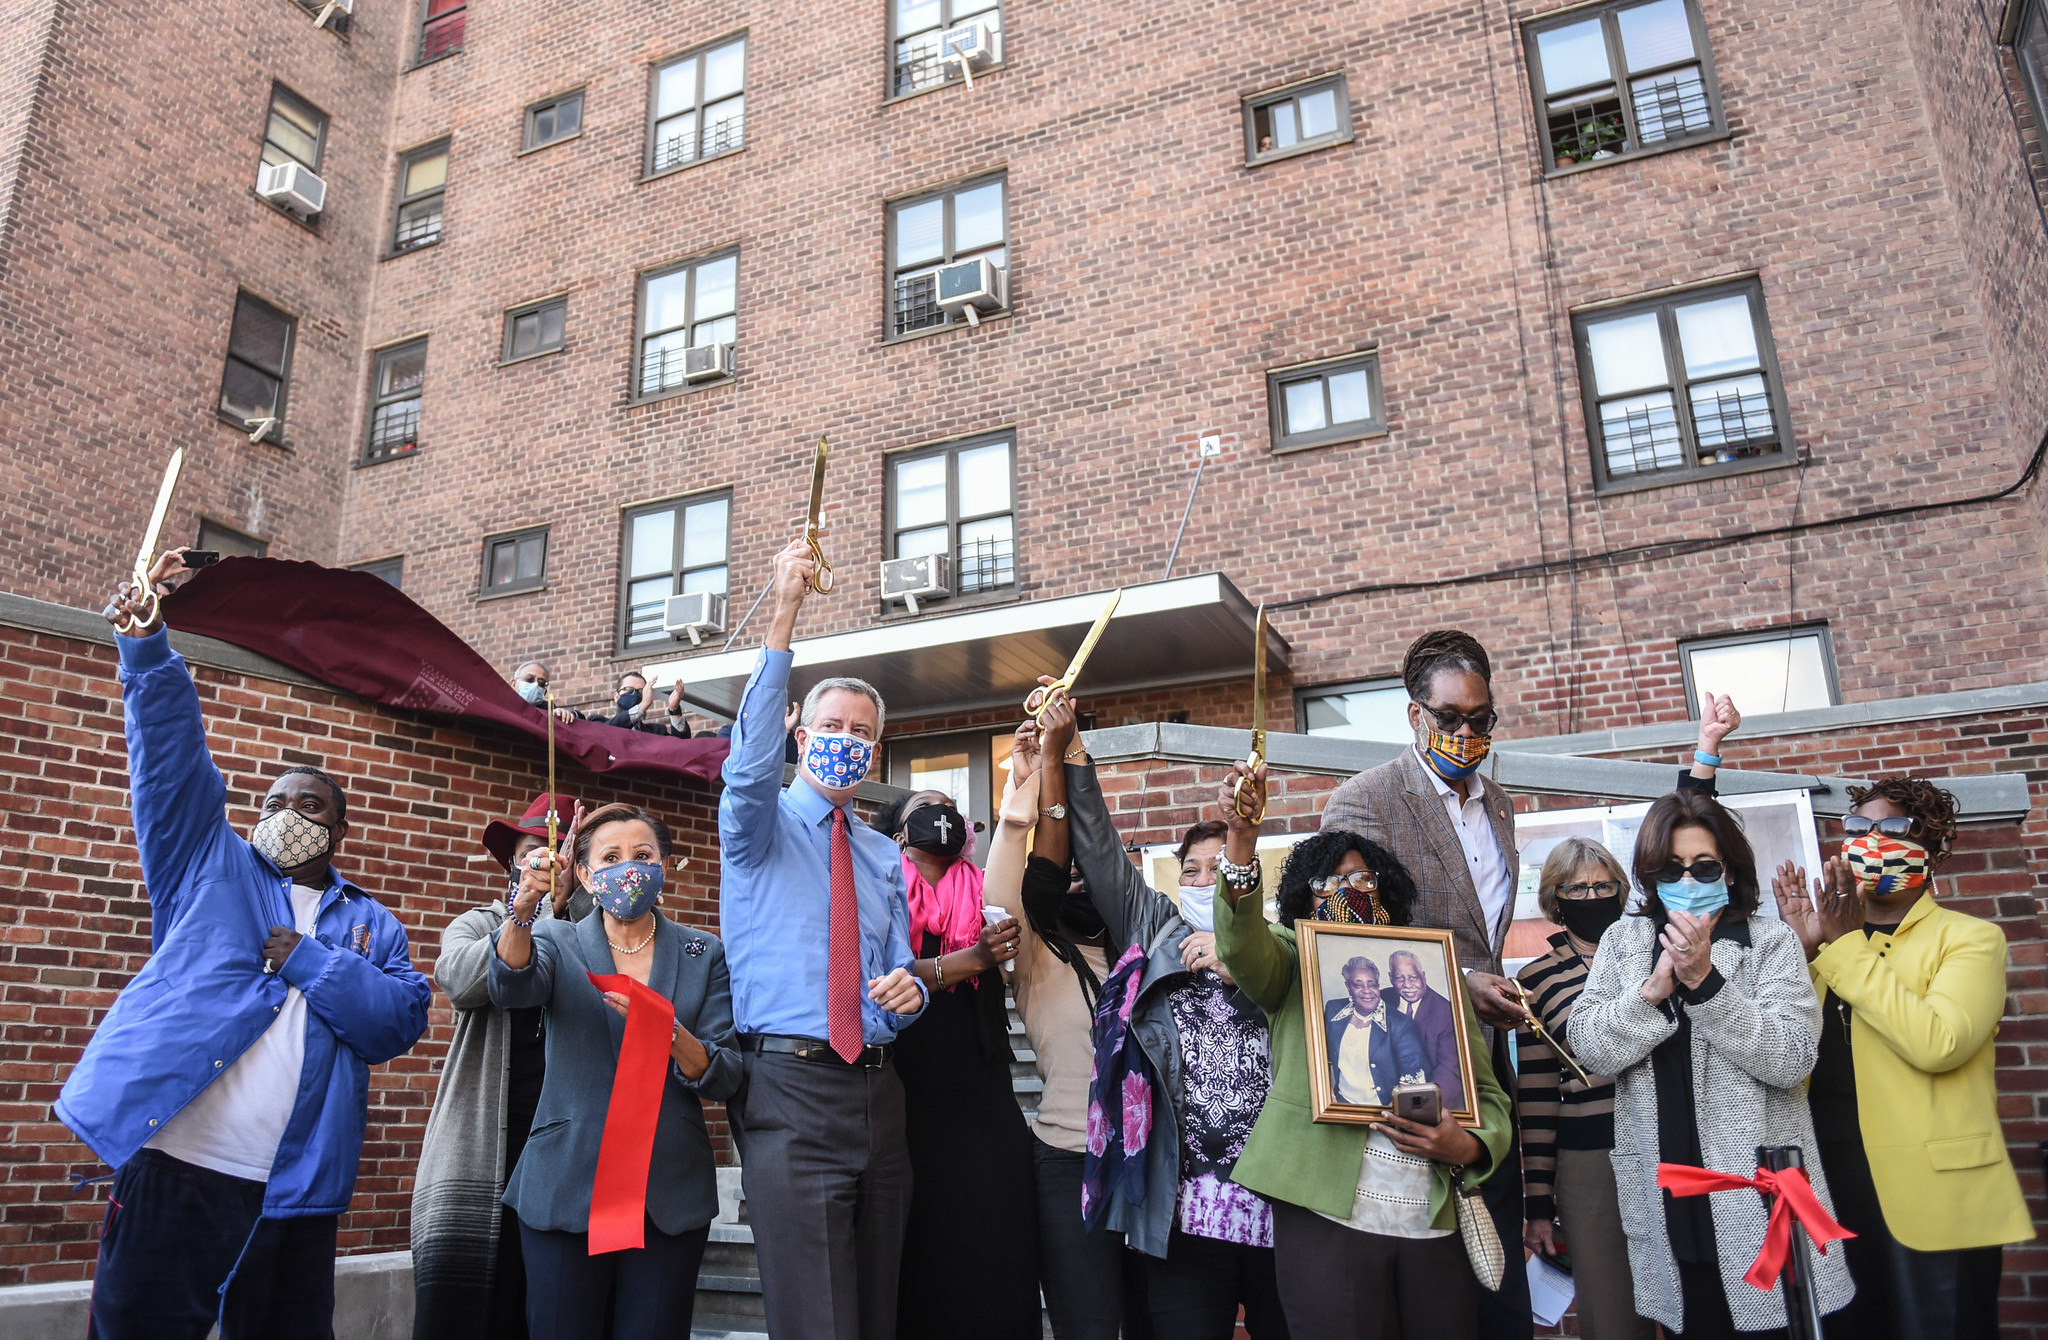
[(971, 46), (706, 361), (336, 10), (973, 287), (697, 613), (290, 185), (926, 575)]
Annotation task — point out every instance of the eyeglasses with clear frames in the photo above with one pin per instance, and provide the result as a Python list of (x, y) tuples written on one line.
[(1606, 888), (1358, 881)]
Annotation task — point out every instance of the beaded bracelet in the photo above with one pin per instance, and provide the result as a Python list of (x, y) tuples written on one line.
[(1246, 876)]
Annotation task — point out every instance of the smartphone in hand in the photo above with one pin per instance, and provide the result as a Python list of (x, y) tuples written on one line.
[(1419, 1103)]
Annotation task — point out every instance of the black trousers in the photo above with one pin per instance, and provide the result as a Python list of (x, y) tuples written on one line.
[(827, 1178), (647, 1293), (1194, 1294), (1094, 1285), (173, 1235), (1902, 1294), (1340, 1284)]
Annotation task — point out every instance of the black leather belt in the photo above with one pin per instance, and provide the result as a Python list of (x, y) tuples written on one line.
[(811, 1049)]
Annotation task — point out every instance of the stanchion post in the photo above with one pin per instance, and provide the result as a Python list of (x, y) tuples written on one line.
[(1802, 1304)]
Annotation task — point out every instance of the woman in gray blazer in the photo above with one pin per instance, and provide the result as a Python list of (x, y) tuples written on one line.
[(620, 855)]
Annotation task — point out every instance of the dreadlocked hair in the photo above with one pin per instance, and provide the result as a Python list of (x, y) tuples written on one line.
[(1930, 804), (1318, 855), (1442, 649)]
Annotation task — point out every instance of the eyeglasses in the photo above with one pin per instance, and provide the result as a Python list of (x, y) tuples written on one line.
[(1901, 825), (1606, 888), (1359, 881), (1450, 722), (1703, 871)]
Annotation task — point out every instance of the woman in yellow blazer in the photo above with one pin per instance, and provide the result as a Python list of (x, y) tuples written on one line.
[(1904, 1096)]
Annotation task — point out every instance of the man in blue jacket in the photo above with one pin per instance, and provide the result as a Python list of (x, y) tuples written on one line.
[(228, 1085)]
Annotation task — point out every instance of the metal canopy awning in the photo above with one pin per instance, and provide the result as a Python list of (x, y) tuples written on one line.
[(1188, 630)]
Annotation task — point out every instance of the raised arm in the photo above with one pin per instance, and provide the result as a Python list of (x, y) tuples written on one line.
[(463, 971), (753, 770), (1950, 1023), (1002, 883), (377, 1003), (1131, 909)]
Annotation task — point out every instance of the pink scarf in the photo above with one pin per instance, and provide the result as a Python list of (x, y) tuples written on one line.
[(952, 911)]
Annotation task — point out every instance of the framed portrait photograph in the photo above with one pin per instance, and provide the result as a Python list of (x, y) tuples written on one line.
[(1384, 1011)]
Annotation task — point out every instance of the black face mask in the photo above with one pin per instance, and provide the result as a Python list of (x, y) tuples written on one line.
[(1078, 916), (629, 700), (937, 829), (1589, 918)]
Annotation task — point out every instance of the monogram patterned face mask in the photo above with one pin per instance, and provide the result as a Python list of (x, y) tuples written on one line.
[(1886, 865), (289, 839)]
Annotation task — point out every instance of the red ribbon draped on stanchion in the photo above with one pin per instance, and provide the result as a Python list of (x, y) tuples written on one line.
[(618, 1194), (1791, 1198)]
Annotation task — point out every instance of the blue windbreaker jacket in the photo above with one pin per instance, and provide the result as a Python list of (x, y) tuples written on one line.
[(203, 997)]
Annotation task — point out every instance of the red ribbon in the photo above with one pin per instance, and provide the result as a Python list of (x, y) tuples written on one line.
[(618, 1194), (1791, 1198)]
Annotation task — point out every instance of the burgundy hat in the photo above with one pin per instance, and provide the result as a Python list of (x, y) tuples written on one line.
[(501, 837)]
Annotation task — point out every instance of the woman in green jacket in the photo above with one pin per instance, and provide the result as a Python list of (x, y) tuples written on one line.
[(1365, 1233)]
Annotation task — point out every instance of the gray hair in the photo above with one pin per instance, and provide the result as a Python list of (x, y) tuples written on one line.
[(1564, 862), (1412, 958), (1361, 965), (846, 684)]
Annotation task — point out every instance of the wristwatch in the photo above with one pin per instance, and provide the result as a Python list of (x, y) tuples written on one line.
[(1054, 811)]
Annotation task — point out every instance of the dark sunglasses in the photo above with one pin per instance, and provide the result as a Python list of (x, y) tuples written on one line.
[(1606, 888), (1703, 871), (1449, 722), (1898, 826)]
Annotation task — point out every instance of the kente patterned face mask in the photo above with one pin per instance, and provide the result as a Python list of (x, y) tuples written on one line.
[(839, 761), (1455, 757), (627, 889), (1885, 865), (289, 839)]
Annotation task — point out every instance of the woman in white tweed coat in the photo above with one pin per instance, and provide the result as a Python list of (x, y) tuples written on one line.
[(1705, 1014)]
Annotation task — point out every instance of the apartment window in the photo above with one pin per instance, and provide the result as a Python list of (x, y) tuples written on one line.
[(957, 500), (691, 306), (535, 328), (422, 181), (970, 769), (390, 570), (395, 402), (1376, 709), (1622, 79), (1297, 119), (555, 120), (1314, 404), (1681, 386), (296, 131), (915, 27), (699, 106), (441, 28), (229, 542), (934, 231), (671, 548), (1776, 670), (516, 562), (2030, 46), (259, 360)]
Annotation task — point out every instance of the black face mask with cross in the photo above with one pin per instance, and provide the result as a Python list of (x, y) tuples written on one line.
[(938, 829)]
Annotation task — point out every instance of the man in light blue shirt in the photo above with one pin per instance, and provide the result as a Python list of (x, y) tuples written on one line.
[(816, 925)]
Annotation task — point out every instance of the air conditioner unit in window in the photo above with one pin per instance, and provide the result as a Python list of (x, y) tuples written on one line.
[(707, 361), (972, 287), (696, 613), (338, 11), (290, 185), (971, 46), (929, 576)]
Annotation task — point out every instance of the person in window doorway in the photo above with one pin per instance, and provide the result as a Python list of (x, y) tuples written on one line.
[(469, 1279), (1905, 1095), (633, 702), (530, 681), (228, 1084)]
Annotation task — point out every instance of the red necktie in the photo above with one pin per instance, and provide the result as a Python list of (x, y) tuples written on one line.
[(842, 973)]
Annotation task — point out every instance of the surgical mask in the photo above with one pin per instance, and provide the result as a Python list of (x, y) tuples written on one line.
[(1198, 906), (626, 889), (937, 829), (1454, 757), (289, 839), (532, 690), (1886, 865), (629, 699), (1695, 899), (838, 762), (1589, 918)]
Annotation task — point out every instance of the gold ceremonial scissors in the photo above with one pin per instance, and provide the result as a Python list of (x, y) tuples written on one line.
[(1036, 701), (823, 580), (1543, 1035), (145, 558), (1241, 795)]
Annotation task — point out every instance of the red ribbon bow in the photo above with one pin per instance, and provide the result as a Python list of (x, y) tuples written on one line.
[(1791, 1198), (618, 1194)]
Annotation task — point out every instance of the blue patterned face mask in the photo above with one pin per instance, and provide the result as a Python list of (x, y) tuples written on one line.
[(1694, 899), (839, 762), (627, 889)]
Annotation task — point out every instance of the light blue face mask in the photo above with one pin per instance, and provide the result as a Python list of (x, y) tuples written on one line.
[(532, 690), (1695, 899)]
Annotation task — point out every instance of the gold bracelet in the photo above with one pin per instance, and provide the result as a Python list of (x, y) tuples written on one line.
[(939, 970)]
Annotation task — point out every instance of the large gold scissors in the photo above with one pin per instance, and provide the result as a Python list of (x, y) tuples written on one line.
[(145, 558), (1543, 1035), (1242, 797), (1036, 701), (822, 580)]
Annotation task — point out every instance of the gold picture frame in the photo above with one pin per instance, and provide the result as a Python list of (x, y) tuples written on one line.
[(1427, 1036)]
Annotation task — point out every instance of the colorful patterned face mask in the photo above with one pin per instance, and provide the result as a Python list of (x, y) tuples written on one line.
[(1885, 865), (1455, 757), (626, 889), (839, 762), (1350, 907)]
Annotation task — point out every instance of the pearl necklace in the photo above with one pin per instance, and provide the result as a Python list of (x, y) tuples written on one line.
[(636, 948)]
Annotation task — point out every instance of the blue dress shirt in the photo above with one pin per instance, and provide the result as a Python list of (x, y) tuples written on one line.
[(775, 881)]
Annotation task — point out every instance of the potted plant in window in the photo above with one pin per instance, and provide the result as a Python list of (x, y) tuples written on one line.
[(1600, 138)]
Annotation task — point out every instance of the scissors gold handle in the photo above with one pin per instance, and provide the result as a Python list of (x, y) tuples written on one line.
[(1542, 1034), (1040, 698), (133, 625), (1242, 795), (823, 579)]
